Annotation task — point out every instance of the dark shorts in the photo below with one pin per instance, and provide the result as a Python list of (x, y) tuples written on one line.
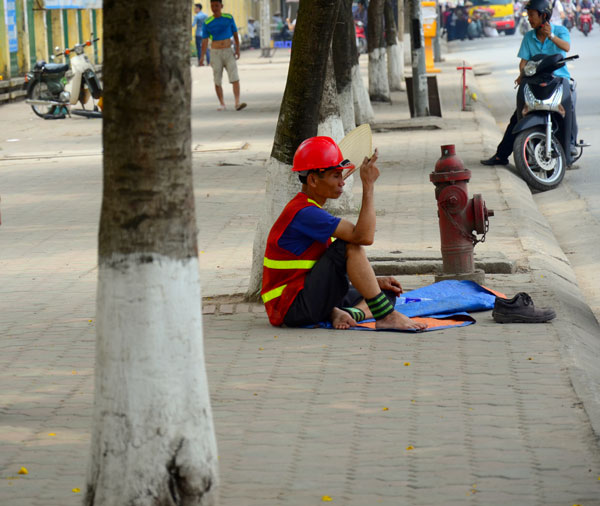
[(326, 286)]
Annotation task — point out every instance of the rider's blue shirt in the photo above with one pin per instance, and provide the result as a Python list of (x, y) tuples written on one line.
[(531, 45), (221, 28)]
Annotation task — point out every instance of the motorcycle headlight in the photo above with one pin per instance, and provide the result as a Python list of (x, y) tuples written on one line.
[(531, 68)]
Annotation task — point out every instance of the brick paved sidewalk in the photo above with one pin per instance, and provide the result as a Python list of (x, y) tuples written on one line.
[(482, 415)]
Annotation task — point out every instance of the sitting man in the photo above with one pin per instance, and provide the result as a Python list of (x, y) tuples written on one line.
[(305, 276)]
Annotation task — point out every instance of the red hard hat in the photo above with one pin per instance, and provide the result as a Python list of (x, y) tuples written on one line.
[(319, 153)]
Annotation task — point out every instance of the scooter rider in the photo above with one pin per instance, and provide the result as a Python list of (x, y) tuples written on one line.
[(543, 38)]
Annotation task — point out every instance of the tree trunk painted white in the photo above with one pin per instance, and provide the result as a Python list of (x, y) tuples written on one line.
[(153, 440), (330, 124), (395, 67), (379, 89), (345, 56), (154, 434), (330, 121), (281, 186), (363, 110), (346, 108)]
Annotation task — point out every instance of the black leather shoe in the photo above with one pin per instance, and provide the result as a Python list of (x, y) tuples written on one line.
[(574, 151), (520, 309), (494, 160)]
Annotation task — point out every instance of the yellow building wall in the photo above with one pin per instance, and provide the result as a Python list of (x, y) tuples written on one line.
[(86, 25), (23, 51), (99, 34), (58, 38), (41, 41), (72, 27)]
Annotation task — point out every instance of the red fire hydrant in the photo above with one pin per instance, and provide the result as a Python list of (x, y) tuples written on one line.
[(459, 216)]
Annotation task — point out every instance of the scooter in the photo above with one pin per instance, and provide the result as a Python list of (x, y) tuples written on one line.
[(524, 25), (586, 21), (51, 96), (569, 20), (361, 38), (542, 147)]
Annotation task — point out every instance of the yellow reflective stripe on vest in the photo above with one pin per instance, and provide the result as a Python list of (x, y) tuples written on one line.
[(313, 202), (272, 294), (289, 264)]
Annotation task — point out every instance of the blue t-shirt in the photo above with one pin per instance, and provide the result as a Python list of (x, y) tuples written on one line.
[(530, 46), (199, 20), (221, 28), (309, 225)]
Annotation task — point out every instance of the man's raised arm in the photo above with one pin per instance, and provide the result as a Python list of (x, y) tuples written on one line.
[(364, 230)]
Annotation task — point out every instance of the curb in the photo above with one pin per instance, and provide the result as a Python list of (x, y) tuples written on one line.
[(577, 328)]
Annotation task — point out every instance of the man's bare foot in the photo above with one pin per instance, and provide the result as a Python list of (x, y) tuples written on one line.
[(341, 320), (396, 320)]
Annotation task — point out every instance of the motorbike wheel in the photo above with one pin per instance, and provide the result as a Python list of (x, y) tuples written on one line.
[(362, 46), (586, 30), (40, 91), (510, 31), (539, 173)]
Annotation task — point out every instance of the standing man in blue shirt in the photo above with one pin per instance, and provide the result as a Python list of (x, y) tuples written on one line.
[(199, 20), (543, 38), (220, 28)]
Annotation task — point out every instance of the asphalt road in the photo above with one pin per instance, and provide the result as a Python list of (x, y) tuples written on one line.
[(573, 209)]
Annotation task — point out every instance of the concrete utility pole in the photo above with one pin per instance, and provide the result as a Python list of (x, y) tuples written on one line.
[(437, 49), (417, 43), (265, 28)]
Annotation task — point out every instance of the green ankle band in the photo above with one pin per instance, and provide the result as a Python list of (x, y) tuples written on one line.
[(357, 314), (380, 306)]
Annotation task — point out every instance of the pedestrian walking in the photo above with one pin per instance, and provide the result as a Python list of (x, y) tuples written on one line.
[(221, 27), (199, 20)]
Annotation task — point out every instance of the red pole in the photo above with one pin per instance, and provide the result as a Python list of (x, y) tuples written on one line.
[(464, 69)]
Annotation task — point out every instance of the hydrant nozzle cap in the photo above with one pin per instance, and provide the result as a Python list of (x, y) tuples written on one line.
[(449, 168), (448, 150)]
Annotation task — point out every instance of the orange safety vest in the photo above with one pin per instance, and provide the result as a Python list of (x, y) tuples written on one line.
[(283, 272)]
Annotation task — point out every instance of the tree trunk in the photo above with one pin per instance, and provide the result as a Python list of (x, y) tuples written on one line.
[(363, 110), (331, 125), (401, 41), (379, 89), (330, 122), (417, 42), (153, 439), (298, 118), (345, 56), (265, 28), (395, 58)]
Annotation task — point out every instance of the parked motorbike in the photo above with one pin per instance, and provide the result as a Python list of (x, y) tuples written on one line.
[(361, 37), (542, 147), (52, 96), (586, 21)]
